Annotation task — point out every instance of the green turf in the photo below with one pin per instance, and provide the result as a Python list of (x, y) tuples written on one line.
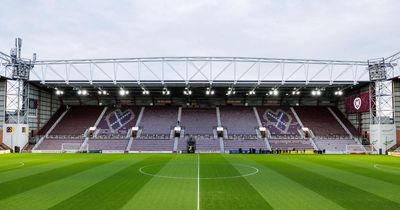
[(207, 181)]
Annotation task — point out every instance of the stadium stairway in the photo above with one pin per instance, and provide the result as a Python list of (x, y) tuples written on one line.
[(59, 118), (85, 142), (4, 147), (340, 122)]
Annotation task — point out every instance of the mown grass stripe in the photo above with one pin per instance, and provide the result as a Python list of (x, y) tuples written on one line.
[(343, 194), (167, 193), (357, 169), (13, 162), (234, 193), (49, 164), (18, 163), (374, 186), (114, 191), (26, 183), (49, 195), (279, 191)]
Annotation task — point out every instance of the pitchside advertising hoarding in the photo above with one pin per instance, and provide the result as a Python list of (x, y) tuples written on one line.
[(357, 103)]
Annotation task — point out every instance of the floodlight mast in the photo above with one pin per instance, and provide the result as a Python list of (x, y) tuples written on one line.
[(382, 123), (17, 72)]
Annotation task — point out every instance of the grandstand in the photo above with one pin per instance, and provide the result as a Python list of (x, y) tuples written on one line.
[(192, 105), (166, 110), (113, 128), (287, 123)]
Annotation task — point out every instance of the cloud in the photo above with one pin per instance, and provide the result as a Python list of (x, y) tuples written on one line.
[(65, 29)]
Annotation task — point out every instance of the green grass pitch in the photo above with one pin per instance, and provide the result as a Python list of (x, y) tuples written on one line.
[(206, 181)]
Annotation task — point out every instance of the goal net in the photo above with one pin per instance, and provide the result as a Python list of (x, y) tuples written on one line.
[(359, 149), (74, 147)]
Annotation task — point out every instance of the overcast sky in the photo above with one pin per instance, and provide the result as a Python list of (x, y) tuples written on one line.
[(67, 29)]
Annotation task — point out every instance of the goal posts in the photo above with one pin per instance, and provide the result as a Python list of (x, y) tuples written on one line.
[(360, 149), (74, 147)]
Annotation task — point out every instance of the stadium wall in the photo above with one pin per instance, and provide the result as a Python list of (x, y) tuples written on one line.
[(396, 95), (44, 105), (3, 88), (360, 121)]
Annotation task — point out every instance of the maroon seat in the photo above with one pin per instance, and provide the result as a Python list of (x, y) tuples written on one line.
[(51, 121), (345, 121), (158, 120), (144, 145), (199, 120), (320, 121), (238, 120), (77, 120)]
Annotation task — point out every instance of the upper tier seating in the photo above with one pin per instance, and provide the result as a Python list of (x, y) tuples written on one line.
[(346, 122), (279, 121), (158, 120), (199, 120), (320, 121), (77, 120), (118, 120), (238, 120), (52, 120)]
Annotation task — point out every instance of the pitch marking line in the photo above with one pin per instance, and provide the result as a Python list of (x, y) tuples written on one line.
[(255, 171), (376, 166), (19, 166)]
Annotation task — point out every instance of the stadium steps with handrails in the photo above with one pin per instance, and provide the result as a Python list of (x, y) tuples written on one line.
[(179, 114), (394, 147), (128, 147), (297, 117), (51, 128), (25, 148), (218, 116), (267, 143), (85, 142), (313, 144), (100, 116), (4, 147), (221, 145), (139, 119), (340, 122), (175, 148), (257, 117), (258, 131)]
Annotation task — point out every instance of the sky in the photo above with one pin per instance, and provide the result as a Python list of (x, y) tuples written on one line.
[(323, 29)]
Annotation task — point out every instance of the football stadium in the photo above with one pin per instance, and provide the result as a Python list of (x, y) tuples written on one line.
[(198, 132)]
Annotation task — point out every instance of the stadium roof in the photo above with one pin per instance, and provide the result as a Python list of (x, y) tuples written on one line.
[(184, 71)]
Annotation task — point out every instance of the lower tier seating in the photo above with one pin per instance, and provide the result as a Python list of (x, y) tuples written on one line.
[(56, 143), (206, 144), (334, 146), (290, 144), (107, 144), (232, 144), (152, 145)]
